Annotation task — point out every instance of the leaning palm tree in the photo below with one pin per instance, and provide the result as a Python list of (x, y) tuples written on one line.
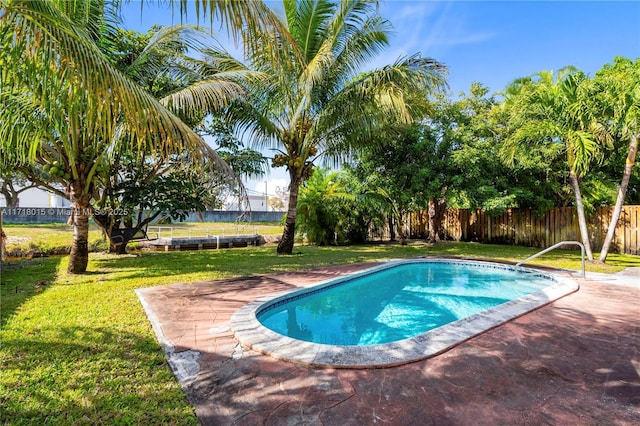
[(64, 105), (318, 101), (614, 95), (546, 113)]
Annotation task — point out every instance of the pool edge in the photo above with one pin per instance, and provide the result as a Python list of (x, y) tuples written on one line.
[(253, 335)]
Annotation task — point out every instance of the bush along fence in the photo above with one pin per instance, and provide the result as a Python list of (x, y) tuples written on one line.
[(526, 228)]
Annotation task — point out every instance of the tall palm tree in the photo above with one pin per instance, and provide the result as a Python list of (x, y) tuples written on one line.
[(66, 106), (546, 112), (614, 95), (317, 100)]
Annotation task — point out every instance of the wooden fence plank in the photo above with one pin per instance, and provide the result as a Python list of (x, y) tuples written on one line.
[(621, 230), (524, 227), (634, 240)]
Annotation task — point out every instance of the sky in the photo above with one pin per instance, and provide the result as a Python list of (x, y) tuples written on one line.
[(491, 42)]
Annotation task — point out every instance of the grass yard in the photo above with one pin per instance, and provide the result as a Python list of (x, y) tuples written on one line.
[(80, 350), (35, 240)]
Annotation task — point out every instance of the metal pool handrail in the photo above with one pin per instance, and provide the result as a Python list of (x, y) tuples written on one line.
[(555, 246)]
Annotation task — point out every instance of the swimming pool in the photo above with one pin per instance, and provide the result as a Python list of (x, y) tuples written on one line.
[(395, 313)]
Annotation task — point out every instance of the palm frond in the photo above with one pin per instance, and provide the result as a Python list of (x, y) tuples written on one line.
[(253, 124), (202, 97), (378, 97), (47, 42), (167, 43), (307, 22), (250, 22), (357, 47), (217, 62), (582, 147)]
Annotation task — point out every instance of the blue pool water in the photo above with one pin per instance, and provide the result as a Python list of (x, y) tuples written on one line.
[(396, 303)]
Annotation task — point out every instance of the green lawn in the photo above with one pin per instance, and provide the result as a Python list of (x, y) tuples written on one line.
[(35, 240), (46, 239), (80, 350)]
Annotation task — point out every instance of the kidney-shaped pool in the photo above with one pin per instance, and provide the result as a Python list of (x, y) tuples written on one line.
[(395, 313)]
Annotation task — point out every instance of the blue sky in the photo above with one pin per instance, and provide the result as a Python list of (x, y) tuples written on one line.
[(492, 42), (496, 42)]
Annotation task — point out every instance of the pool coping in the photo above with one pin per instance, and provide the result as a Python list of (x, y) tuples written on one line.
[(252, 334)]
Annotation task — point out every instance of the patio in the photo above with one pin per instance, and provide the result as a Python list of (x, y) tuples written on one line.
[(575, 361)]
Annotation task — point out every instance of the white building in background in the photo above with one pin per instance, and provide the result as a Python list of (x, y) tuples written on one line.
[(40, 198), (275, 201), (36, 197), (257, 203), (263, 196), (56, 200)]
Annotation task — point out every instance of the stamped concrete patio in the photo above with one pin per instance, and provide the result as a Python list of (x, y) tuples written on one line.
[(573, 362)]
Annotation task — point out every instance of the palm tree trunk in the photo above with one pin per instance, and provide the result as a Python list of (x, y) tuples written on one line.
[(631, 157), (81, 209), (582, 221), (79, 256), (285, 246)]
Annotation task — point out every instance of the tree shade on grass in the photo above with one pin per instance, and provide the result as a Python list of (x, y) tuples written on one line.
[(78, 349)]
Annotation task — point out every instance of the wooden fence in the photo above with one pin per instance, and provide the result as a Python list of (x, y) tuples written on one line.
[(523, 227)]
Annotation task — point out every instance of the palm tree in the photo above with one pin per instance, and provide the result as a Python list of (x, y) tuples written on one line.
[(546, 112), (319, 206), (614, 94), (317, 100), (65, 106)]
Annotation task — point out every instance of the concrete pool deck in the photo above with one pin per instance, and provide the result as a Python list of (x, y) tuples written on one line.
[(574, 361)]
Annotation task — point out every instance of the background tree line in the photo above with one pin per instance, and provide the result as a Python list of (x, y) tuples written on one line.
[(548, 140), (110, 114), (111, 118)]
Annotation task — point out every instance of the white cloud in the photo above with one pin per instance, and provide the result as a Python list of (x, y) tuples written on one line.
[(408, 19), (451, 28), (429, 28)]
